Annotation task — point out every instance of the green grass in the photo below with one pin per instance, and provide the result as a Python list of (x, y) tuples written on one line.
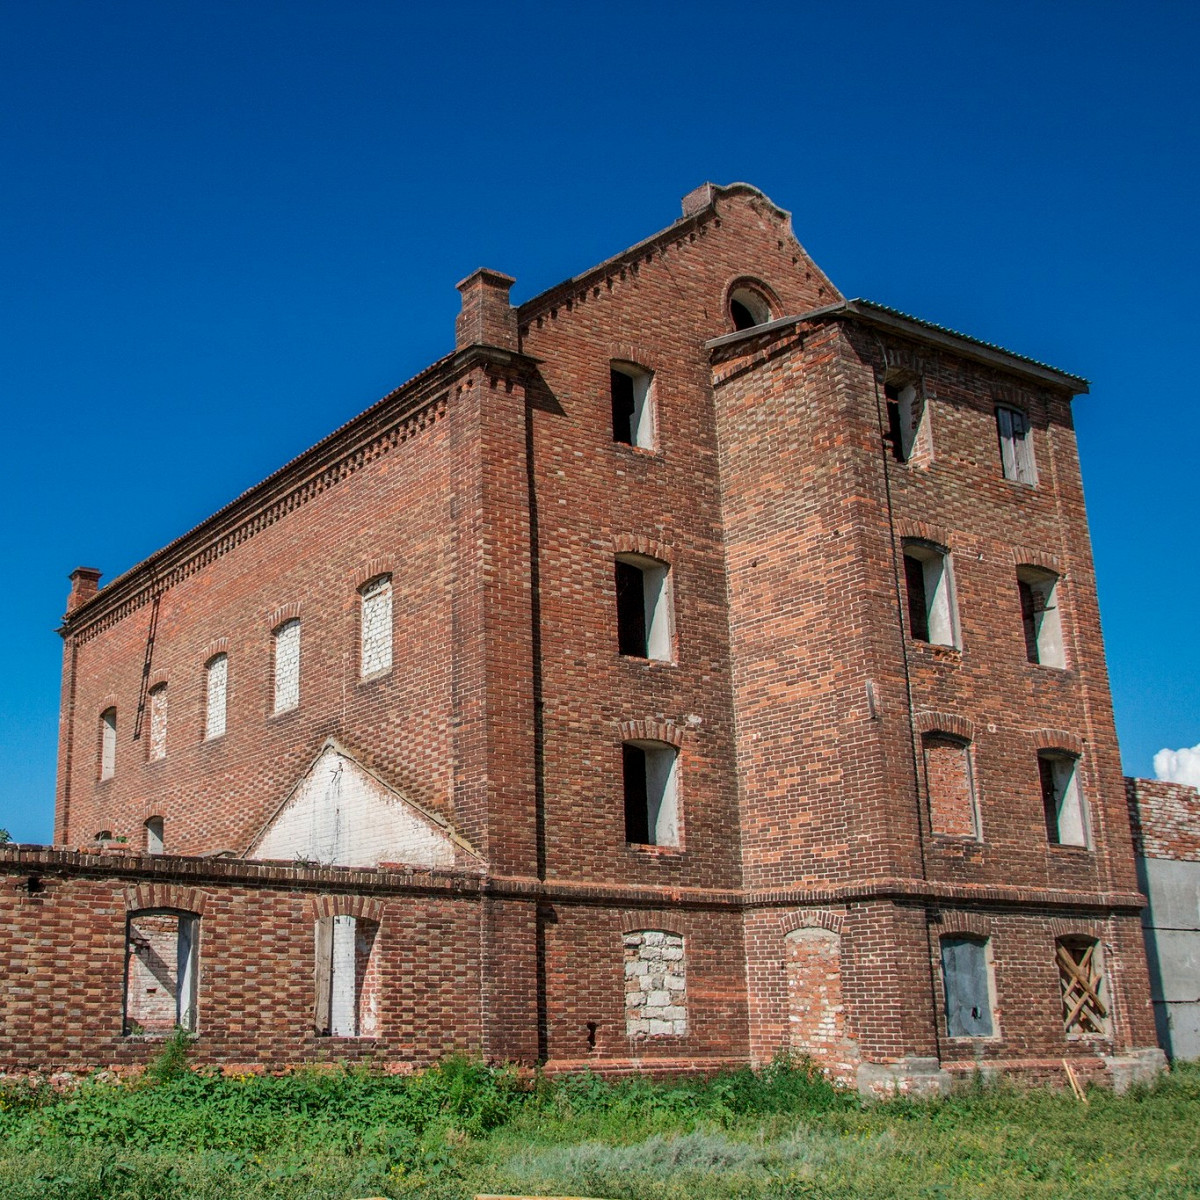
[(461, 1128)]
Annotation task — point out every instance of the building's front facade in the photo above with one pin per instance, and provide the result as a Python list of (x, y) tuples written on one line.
[(693, 664)]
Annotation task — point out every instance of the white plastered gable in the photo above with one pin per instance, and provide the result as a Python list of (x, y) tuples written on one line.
[(341, 814)]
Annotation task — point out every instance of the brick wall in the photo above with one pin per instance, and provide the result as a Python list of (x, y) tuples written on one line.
[(1165, 818)]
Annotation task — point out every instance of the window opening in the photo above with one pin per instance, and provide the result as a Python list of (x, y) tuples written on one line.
[(950, 786), (216, 693), (1040, 617), (1016, 445), (632, 410), (1061, 799), (655, 984), (930, 589), (904, 415), (643, 607), (347, 977), (376, 626), (154, 835), (158, 722), (748, 308), (108, 743), (160, 971), (287, 666), (1081, 979), (651, 802), (967, 987)]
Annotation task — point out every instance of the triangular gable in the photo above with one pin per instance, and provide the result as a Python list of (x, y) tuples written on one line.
[(341, 814)]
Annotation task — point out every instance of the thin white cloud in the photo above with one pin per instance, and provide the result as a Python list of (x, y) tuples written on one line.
[(1179, 766)]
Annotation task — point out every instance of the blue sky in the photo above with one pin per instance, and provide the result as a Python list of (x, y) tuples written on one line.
[(226, 228)]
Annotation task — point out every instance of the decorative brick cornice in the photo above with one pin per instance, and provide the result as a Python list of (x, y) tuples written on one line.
[(1056, 739), (940, 722)]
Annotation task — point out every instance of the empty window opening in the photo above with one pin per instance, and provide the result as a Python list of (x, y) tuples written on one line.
[(748, 308), (1066, 824), (966, 981), (154, 835), (632, 409), (160, 971), (216, 690), (108, 743), (158, 722), (1081, 979), (930, 587), (1040, 616), (651, 803), (287, 666), (1016, 445), (655, 984), (904, 414), (376, 626), (347, 977), (950, 786), (105, 835), (643, 607)]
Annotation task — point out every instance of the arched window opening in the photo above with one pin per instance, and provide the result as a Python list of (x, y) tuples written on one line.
[(929, 583), (153, 829), (1062, 800), (108, 743), (643, 607), (1040, 616), (748, 307), (632, 405), (650, 774)]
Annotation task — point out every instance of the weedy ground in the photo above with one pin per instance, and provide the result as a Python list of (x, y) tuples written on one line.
[(462, 1128)]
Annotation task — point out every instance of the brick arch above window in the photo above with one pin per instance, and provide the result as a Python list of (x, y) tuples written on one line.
[(1026, 556), (156, 680), (812, 918), (956, 924), (1056, 739), (165, 895), (215, 647), (633, 353), (362, 907), (941, 722), (383, 564), (109, 700), (637, 543), (923, 531), (752, 283), (651, 731), (1066, 927), (284, 613)]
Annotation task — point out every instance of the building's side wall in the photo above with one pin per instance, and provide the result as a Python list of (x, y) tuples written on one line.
[(1166, 824), (389, 509)]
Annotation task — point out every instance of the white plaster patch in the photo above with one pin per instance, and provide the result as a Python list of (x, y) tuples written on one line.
[(341, 815)]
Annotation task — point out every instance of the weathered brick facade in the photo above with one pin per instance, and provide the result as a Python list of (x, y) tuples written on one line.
[(790, 477)]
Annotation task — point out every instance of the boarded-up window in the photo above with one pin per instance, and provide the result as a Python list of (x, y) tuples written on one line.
[(1016, 445), (347, 977), (160, 971), (158, 721), (655, 984), (216, 689), (1081, 979), (1062, 802), (287, 666), (965, 979), (376, 626), (816, 1013), (108, 743), (950, 786)]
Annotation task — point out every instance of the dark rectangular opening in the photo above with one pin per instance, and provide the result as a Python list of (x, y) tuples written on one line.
[(892, 396), (637, 816), (918, 608), (1050, 799), (622, 407), (1029, 620), (631, 610)]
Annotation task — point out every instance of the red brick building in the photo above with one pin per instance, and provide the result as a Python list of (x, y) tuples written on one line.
[(694, 663)]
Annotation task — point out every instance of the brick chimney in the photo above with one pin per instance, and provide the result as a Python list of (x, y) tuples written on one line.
[(85, 583), (487, 318)]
